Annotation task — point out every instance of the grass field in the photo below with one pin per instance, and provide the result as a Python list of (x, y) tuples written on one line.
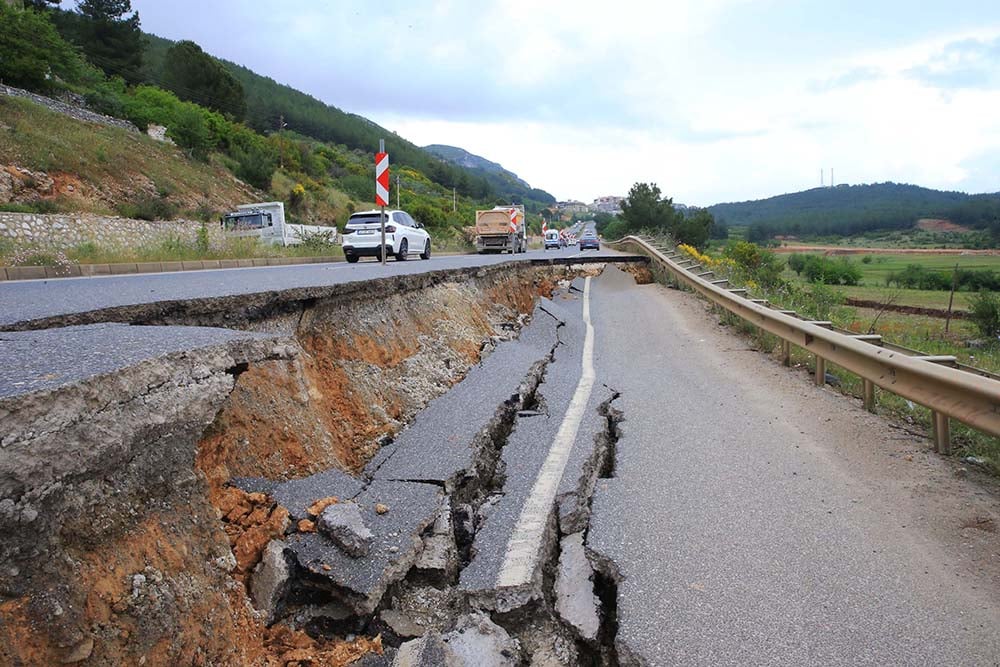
[(875, 273)]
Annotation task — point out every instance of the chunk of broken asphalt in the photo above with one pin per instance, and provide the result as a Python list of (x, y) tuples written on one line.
[(343, 524), (575, 599), (361, 582), (439, 559), (299, 494)]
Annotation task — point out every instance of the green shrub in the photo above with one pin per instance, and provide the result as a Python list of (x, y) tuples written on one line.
[(39, 206), (201, 242), (985, 310), (107, 97), (819, 269), (148, 208)]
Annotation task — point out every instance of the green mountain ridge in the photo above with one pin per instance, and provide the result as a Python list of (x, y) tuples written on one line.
[(851, 209)]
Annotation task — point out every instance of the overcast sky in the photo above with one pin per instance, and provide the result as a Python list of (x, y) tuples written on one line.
[(714, 100)]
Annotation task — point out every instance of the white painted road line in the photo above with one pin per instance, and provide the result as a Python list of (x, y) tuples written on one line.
[(526, 540)]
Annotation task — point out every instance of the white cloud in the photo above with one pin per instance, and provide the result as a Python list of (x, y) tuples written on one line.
[(714, 100)]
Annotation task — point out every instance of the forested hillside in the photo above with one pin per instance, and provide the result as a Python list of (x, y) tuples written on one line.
[(853, 209), (316, 158), (268, 102), (505, 182)]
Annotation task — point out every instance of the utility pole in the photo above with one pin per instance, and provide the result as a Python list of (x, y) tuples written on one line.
[(454, 200), (397, 190), (951, 298), (281, 141)]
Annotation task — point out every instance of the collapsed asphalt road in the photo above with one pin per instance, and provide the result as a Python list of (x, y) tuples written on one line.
[(45, 303), (175, 494), (606, 484)]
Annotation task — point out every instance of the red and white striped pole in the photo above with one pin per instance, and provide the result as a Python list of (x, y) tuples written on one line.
[(382, 188)]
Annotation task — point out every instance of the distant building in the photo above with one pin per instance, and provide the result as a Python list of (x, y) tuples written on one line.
[(610, 204), (571, 206)]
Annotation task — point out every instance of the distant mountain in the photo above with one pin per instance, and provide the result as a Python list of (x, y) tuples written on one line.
[(506, 183), (852, 209)]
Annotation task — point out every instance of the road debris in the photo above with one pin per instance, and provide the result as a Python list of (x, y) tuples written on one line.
[(343, 524)]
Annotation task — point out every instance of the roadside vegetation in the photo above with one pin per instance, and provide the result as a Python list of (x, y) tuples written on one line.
[(646, 210), (972, 340), (226, 122)]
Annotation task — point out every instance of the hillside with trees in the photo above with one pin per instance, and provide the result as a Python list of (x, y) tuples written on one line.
[(507, 184), (853, 209), (290, 146), (270, 104)]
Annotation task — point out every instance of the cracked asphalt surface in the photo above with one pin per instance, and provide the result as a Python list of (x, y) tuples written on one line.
[(749, 528), (26, 300), (39, 360)]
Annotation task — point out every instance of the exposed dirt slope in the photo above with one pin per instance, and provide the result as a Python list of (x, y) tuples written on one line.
[(89, 167)]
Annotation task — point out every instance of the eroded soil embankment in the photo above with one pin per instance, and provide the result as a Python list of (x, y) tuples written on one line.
[(121, 557)]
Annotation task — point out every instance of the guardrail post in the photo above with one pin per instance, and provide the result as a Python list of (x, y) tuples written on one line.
[(942, 432), (869, 395), (786, 353), (820, 371)]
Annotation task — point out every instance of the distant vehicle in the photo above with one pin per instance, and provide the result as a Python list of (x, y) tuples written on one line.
[(571, 241), (501, 229), (589, 240), (266, 221), (552, 240), (403, 236)]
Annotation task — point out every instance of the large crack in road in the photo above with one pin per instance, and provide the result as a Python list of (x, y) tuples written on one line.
[(313, 383)]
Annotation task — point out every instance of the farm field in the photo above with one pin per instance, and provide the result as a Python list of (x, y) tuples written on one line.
[(875, 273)]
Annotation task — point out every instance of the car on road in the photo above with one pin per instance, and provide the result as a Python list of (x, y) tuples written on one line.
[(404, 236), (552, 240), (589, 240), (571, 241)]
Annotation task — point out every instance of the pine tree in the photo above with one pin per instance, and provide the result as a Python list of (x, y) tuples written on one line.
[(111, 38)]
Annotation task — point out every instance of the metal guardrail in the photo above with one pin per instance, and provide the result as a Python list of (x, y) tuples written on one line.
[(969, 395)]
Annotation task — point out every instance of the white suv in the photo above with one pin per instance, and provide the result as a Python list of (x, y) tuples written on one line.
[(403, 236)]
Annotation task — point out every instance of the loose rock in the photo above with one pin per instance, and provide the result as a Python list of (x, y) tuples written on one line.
[(343, 524), (427, 651), (479, 642), (270, 581)]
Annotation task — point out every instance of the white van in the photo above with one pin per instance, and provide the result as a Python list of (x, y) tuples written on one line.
[(552, 239)]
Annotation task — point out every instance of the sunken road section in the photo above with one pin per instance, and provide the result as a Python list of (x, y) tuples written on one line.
[(169, 484)]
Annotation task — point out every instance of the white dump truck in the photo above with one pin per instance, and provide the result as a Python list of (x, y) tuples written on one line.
[(501, 229), (267, 222)]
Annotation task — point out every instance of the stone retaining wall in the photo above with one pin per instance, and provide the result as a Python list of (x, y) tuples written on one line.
[(73, 111), (63, 231)]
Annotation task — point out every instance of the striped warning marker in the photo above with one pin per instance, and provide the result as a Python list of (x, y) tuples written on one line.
[(381, 179), (513, 220)]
